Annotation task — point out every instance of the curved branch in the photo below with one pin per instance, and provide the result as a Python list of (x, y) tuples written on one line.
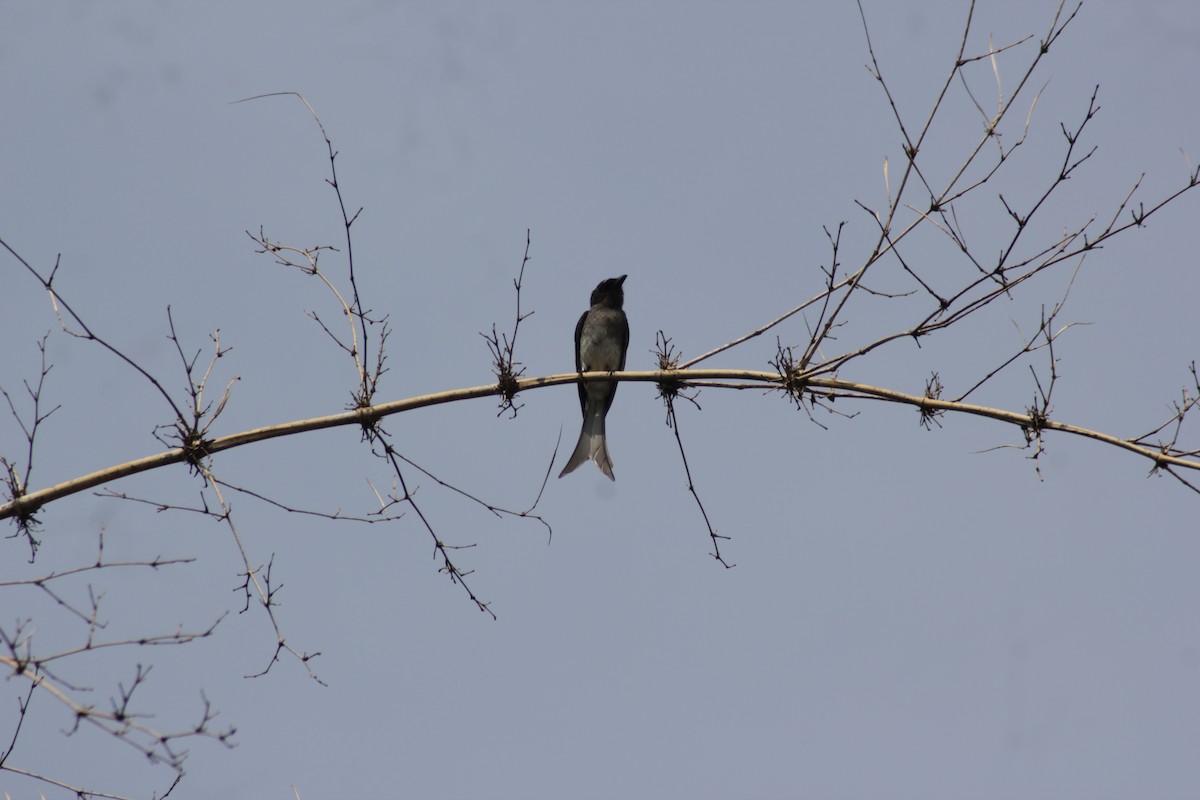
[(27, 504)]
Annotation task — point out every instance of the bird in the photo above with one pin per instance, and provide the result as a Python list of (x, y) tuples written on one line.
[(601, 341)]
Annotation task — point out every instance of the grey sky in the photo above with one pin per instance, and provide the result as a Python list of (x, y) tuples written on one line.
[(909, 617)]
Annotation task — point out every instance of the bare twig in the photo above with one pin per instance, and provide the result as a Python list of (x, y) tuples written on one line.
[(357, 315), (502, 347)]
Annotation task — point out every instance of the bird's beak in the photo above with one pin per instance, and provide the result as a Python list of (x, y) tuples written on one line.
[(621, 279)]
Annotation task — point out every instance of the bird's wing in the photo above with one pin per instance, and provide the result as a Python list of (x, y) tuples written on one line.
[(579, 362)]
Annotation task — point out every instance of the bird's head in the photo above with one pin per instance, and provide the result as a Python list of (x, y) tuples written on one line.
[(609, 293)]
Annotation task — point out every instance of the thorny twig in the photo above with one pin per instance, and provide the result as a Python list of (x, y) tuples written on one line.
[(16, 478), (669, 392), (502, 347), (121, 719), (381, 446), (359, 318)]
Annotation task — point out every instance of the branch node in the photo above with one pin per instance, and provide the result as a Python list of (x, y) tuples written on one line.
[(929, 414), (791, 378), (668, 361)]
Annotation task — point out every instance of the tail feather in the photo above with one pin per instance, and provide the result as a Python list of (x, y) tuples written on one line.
[(591, 446)]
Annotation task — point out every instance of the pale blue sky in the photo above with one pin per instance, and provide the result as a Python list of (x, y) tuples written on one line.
[(910, 617)]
